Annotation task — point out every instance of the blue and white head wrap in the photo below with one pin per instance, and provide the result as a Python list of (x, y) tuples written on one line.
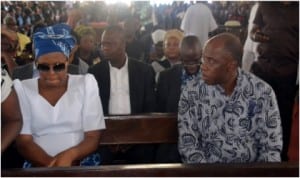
[(56, 38)]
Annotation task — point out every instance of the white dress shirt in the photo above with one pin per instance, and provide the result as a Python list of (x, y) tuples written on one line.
[(119, 101)]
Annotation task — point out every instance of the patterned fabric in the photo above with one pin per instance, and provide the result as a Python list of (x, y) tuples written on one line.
[(185, 78), (91, 160), (243, 127), (56, 38)]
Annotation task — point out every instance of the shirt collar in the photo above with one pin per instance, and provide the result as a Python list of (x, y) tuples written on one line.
[(238, 85), (125, 66), (186, 77)]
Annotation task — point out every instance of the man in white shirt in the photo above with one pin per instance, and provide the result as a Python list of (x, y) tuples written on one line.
[(126, 86), (250, 54)]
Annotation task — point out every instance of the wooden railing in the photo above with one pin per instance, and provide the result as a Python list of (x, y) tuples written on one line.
[(171, 170)]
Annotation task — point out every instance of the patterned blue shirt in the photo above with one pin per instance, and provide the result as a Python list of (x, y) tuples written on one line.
[(243, 127), (185, 77)]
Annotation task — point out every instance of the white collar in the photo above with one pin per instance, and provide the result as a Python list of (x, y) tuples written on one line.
[(124, 66)]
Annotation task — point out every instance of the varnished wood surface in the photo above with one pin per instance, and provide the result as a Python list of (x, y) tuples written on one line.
[(140, 129), (246, 169)]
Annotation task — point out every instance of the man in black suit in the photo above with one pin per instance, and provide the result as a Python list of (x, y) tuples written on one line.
[(169, 87), (140, 77), (126, 86), (170, 81)]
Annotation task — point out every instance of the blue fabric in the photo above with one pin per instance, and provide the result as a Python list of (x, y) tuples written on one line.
[(185, 78), (91, 160), (56, 38)]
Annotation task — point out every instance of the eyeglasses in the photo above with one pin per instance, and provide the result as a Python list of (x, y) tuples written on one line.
[(192, 63), (58, 67)]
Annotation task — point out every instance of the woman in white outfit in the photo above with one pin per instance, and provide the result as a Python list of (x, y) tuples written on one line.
[(62, 113)]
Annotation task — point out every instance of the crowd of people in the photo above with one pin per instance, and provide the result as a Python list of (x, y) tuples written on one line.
[(72, 64)]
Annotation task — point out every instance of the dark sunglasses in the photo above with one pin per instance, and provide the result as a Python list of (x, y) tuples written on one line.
[(58, 67)]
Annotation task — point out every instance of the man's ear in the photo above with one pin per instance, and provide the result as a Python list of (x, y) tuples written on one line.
[(232, 64)]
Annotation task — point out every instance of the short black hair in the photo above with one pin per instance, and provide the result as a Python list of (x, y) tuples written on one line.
[(189, 41), (116, 29)]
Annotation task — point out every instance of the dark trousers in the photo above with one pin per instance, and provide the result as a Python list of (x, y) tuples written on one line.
[(134, 154), (283, 82), (167, 153)]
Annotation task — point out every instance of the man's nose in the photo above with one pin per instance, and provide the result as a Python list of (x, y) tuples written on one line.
[(203, 66)]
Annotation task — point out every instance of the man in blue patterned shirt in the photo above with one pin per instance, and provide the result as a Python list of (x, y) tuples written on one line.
[(228, 115)]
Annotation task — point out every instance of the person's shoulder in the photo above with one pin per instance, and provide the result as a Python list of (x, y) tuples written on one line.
[(164, 63), (97, 67), (138, 63), (5, 79), (82, 79), (176, 69), (24, 67), (80, 76), (26, 84)]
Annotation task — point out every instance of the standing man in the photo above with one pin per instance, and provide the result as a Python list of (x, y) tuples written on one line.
[(126, 86), (198, 20), (229, 115), (250, 52), (276, 28)]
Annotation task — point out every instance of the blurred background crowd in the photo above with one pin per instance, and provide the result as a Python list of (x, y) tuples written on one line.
[(148, 16)]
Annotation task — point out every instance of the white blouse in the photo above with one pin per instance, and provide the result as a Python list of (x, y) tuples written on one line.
[(57, 128), (6, 85)]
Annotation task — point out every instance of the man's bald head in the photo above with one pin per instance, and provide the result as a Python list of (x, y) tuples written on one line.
[(191, 53), (230, 43)]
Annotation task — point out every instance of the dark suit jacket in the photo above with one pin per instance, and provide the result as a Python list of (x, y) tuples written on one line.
[(141, 85), (26, 71), (168, 89)]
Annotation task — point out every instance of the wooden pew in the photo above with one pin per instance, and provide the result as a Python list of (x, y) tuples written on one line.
[(154, 128), (140, 129), (284, 169)]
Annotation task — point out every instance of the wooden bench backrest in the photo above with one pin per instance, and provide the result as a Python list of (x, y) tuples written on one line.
[(140, 129)]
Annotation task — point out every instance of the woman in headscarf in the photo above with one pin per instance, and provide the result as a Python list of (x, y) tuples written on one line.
[(62, 113)]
